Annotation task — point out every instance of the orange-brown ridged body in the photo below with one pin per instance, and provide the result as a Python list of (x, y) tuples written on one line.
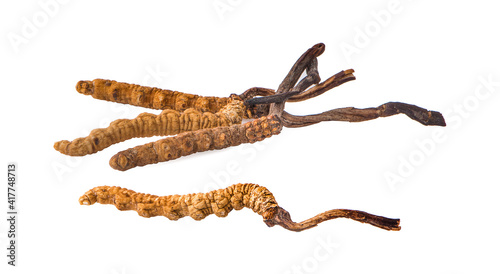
[(196, 141), (221, 202), (257, 103), (169, 122), (197, 206), (149, 97)]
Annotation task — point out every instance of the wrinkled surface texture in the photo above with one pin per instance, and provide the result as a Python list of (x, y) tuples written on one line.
[(149, 97), (197, 206), (221, 202), (169, 122), (203, 123), (196, 141)]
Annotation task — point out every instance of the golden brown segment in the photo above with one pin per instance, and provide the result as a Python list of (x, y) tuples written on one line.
[(169, 122), (196, 141), (149, 97), (197, 206), (201, 114), (220, 202)]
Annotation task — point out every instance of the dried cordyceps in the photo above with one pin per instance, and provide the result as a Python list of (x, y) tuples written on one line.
[(149, 97), (196, 141), (221, 202), (207, 123), (168, 122)]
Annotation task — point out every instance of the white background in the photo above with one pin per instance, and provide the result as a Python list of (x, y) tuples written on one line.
[(435, 55)]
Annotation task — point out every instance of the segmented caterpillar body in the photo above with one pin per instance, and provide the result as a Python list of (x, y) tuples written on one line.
[(149, 97), (198, 206), (220, 202), (201, 128), (196, 141), (169, 122)]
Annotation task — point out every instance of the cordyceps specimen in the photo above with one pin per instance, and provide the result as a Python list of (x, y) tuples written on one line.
[(221, 202), (207, 123)]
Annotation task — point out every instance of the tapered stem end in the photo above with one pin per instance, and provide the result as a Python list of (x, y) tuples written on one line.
[(281, 217), (436, 119)]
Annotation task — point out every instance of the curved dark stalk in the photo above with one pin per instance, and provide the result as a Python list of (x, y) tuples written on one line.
[(300, 65), (256, 91), (306, 61), (334, 81), (220, 202), (350, 114), (271, 97), (202, 112), (282, 218)]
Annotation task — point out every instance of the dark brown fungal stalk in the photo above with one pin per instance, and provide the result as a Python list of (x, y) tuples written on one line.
[(220, 202), (207, 123), (282, 218)]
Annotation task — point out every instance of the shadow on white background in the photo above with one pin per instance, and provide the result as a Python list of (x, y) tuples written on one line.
[(435, 55)]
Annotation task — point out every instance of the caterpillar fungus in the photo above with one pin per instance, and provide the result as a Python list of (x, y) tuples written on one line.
[(196, 141), (202, 123), (221, 202), (168, 122), (149, 97)]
